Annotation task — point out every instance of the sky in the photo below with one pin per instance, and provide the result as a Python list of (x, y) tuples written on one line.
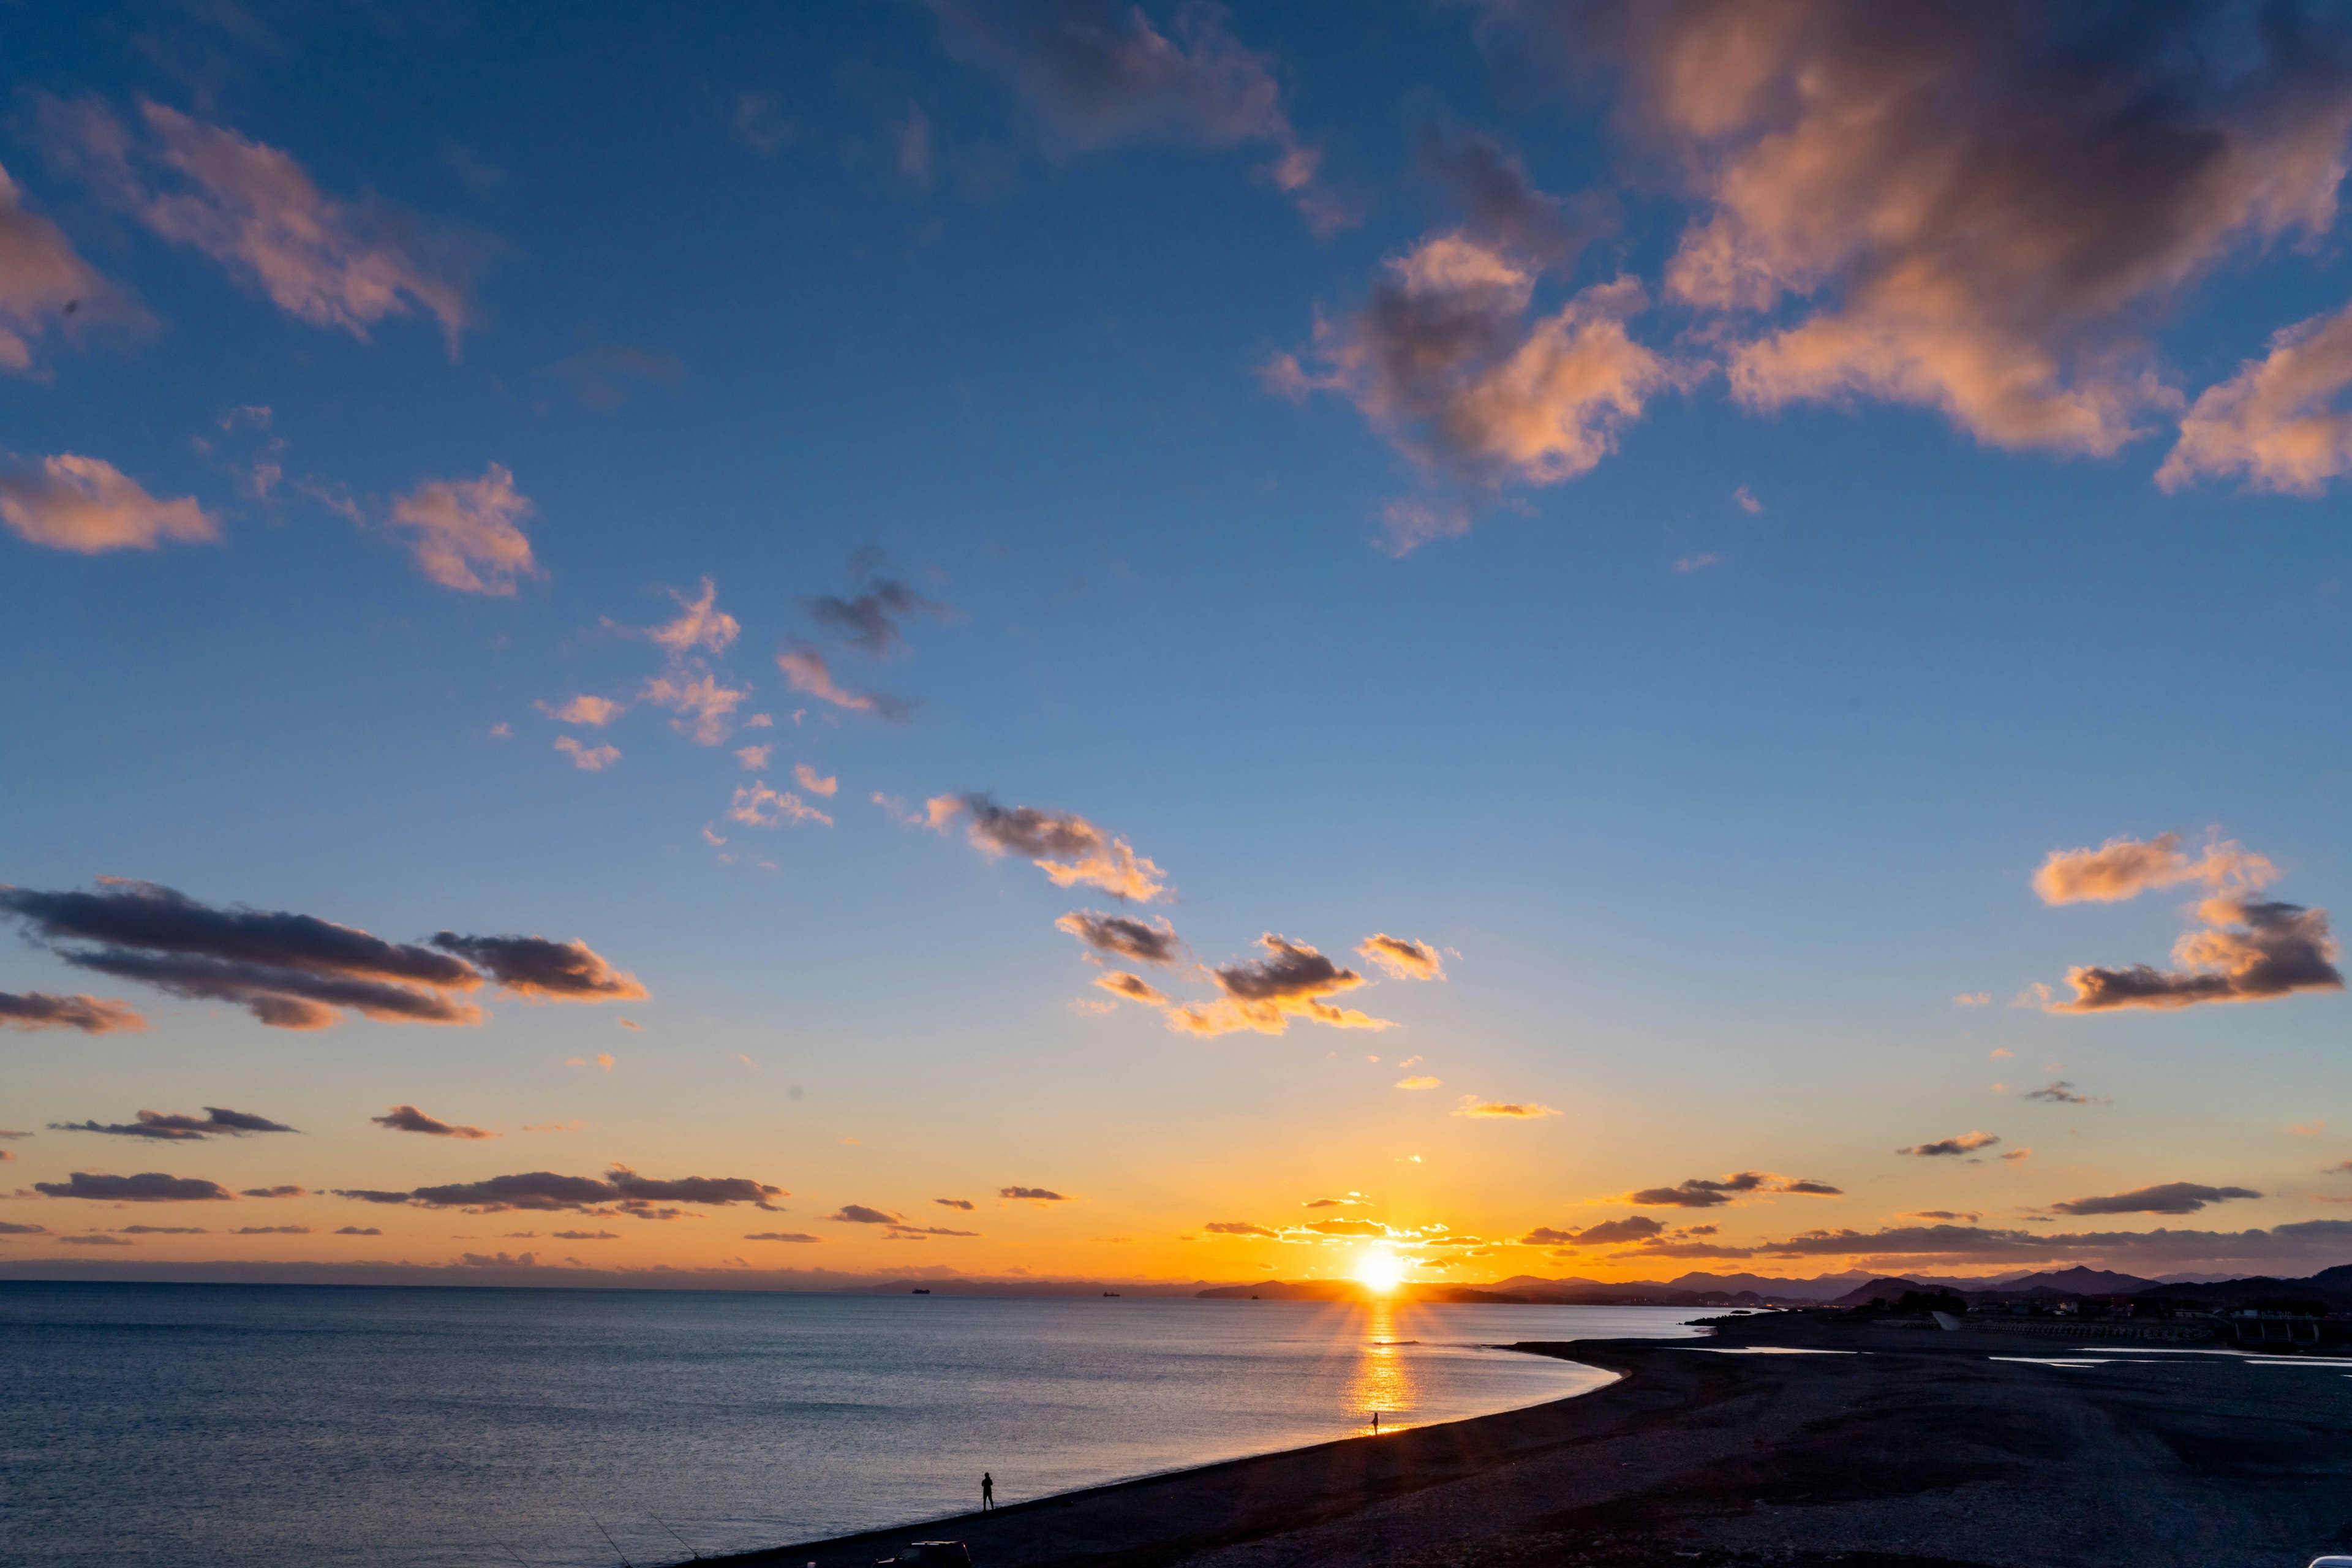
[(833, 644)]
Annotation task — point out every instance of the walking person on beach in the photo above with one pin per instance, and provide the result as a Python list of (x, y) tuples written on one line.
[(987, 1492)]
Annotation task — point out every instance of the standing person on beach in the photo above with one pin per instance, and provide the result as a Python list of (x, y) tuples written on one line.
[(987, 1492)]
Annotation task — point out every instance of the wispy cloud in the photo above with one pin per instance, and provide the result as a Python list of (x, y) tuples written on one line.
[(1146, 942), (39, 1010), (1515, 1110), (1401, 957), (408, 1119), (764, 808), (1264, 995), (2126, 867), (467, 534), (89, 506), (45, 284), (255, 210), (588, 759), (217, 1122), (1957, 1144), (806, 671), (1068, 848)]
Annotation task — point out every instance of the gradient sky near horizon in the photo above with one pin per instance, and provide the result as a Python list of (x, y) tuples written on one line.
[(1790, 558)]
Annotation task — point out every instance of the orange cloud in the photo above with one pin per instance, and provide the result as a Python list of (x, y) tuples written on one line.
[(1402, 958), (39, 1010), (1065, 845), (1508, 1109), (468, 533), (2125, 868), (703, 706), (594, 711), (1958, 1144), (2276, 949), (1420, 1082), (1987, 200), (254, 209), (2276, 421), (1134, 987), (1146, 942), (408, 1119), (1266, 994), (588, 759), (89, 506), (764, 808), (1444, 363), (806, 670)]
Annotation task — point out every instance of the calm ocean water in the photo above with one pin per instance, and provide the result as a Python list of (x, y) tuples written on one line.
[(173, 1425)]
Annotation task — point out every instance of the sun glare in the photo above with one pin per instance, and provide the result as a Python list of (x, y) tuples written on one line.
[(1379, 1270)]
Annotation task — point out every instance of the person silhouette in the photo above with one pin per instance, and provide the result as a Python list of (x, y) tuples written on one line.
[(987, 1492)]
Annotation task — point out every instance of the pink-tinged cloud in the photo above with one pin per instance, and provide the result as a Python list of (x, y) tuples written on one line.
[(89, 506), (1068, 848), (2249, 953), (704, 707), (701, 625), (44, 284), (594, 711), (39, 1010), (147, 1188), (1977, 207), (2276, 422), (1097, 75), (408, 1119), (588, 759), (1402, 958), (1124, 936), (806, 671), (764, 808), (1952, 1147), (1509, 1111), (255, 210), (754, 758), (813, 782), (1264, 995), (1443, 362), (467, 534), (2125, 868)]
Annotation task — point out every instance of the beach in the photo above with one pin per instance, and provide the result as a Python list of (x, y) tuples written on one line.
[(1767, 1446)]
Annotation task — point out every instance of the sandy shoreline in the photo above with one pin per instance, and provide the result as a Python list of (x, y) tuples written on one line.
[(1924, 1451)]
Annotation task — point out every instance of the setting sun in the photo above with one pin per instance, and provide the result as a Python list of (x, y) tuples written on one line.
[(1379, 1270)]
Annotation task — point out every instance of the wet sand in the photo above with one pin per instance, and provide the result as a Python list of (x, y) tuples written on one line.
[(1922, 1452)]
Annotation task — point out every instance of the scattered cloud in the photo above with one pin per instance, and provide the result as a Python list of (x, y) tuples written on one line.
[(1973, 999), (215, 1122), (1034, 1195), (1401, 957), (601, 374), (1240, 1228), (1068, 848), (1613, 1232), (44, 283), (96, 1241), (2017, 1156), (757, 122), (1707, 1193), (2125, 868), (1133, 987), (408, 1119), (2276, 949), (966, 1205), (764, 808), (467, 534), (271, 1230), (1686, 564), (1960, 1143), (594, 711), (1146, 942), (816, 782), (870, 621), (1096, 75), (621, 1192), (858, 1213), (2275, 422), (773, 1236), (358, 1230), (254, 209), (1473, 1106), (147, 1188), (2166, 1197), (705, 706), (806, 671), (2059, 1093), (39, 1010), (89, 506), (754, 758), (1420, 1080), (288, 1191), (588, 759), (1266, 994), (1746, 502)]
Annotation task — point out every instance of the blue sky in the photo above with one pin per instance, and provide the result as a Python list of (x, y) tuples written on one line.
[(1714, 769)]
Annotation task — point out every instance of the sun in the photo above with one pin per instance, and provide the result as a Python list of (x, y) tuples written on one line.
[(1379, 1271)]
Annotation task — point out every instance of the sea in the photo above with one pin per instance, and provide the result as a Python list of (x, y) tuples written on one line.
[(268, 1426)]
